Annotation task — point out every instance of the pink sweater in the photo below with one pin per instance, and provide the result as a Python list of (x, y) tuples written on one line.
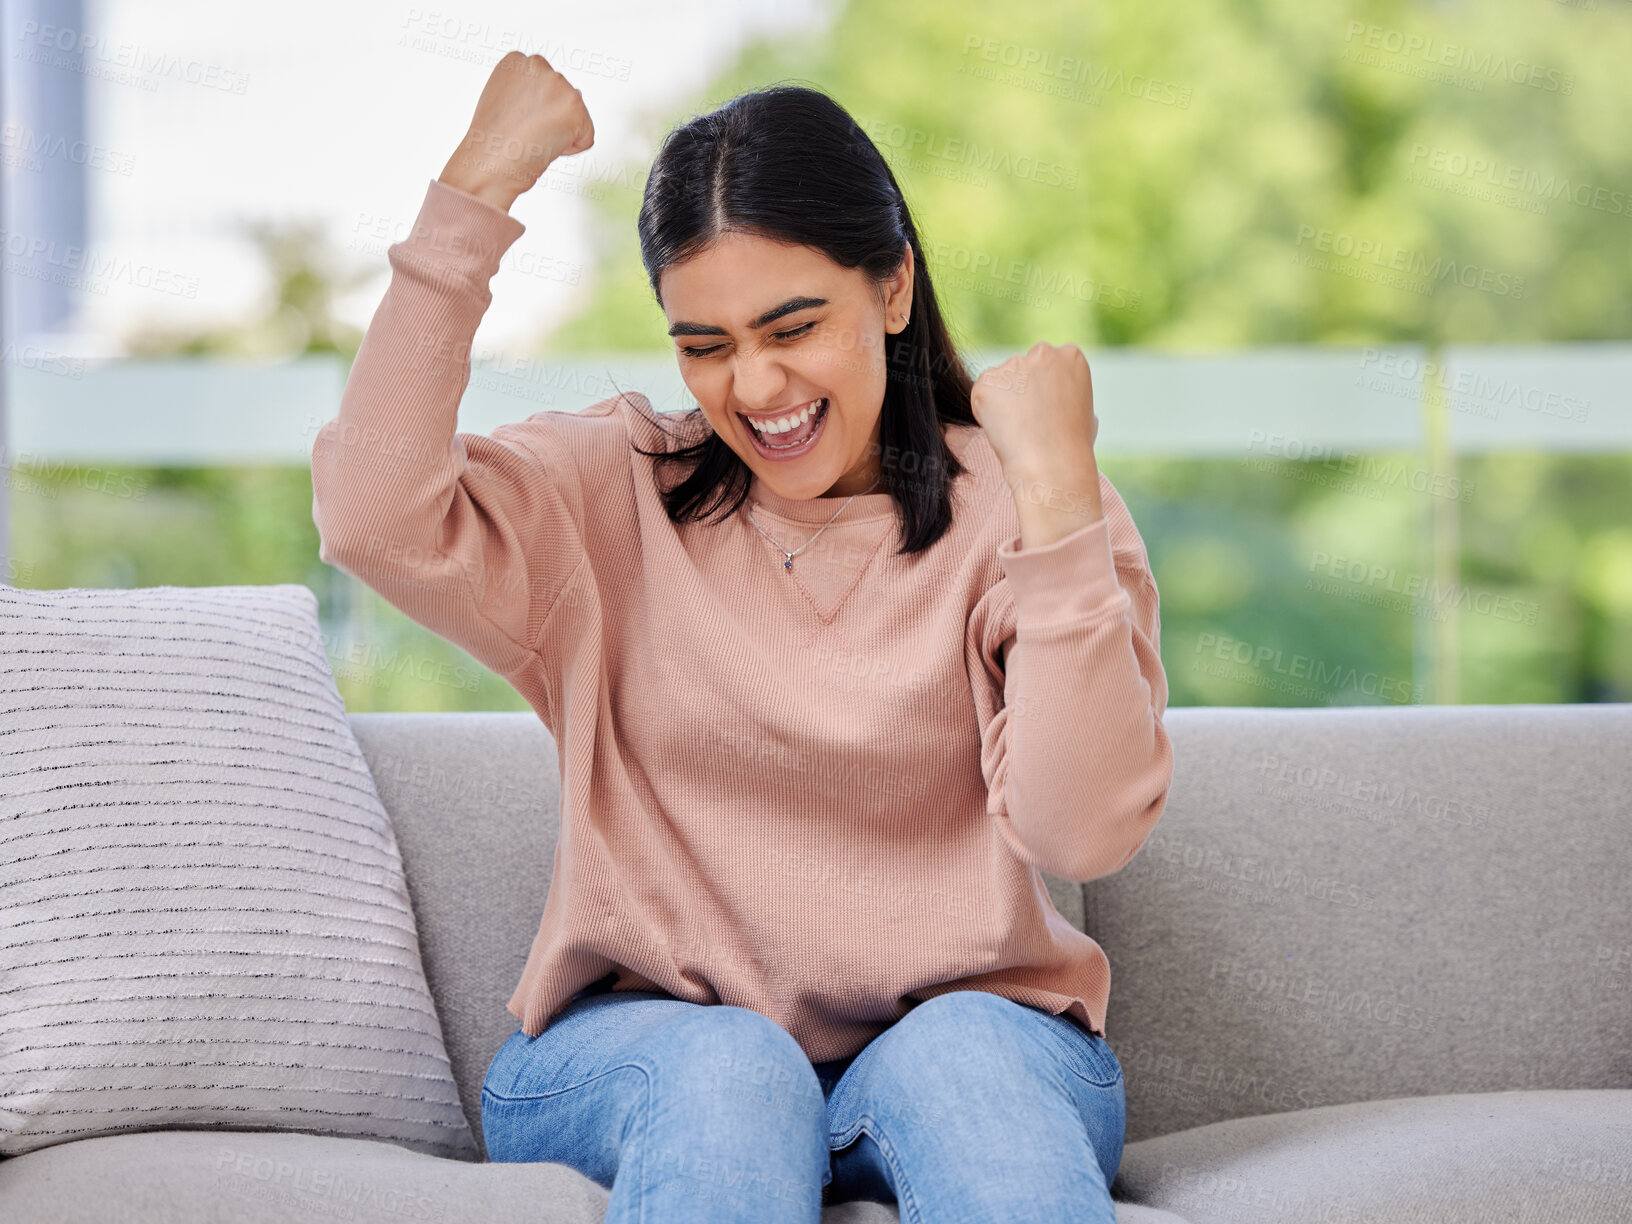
[(823, 795)]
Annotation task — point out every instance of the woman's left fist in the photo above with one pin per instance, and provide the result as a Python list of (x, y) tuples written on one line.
[(1037, 409)]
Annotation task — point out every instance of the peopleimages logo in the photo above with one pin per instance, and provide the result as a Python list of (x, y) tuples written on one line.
[(1494, 172), (1075, 70), (1455, 55), (123, 62), (960, 151), (1410, 263)]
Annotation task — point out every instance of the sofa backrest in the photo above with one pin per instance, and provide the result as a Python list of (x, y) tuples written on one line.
[(1357, 903), (1336, 905), (475, 802)]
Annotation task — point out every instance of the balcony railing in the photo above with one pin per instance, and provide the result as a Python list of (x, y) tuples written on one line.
[(1293, 403), (1388, 419)]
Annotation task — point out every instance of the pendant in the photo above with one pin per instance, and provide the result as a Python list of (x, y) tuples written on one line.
[(788, 564)]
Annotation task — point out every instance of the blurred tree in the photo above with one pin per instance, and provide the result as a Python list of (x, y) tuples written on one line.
[(1205, 177), (305, 274)]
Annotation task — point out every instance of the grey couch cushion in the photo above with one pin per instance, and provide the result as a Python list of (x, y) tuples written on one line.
[(1356, 904), (1551, 1157), (226, 1177), (244, 1177), (203, 916)]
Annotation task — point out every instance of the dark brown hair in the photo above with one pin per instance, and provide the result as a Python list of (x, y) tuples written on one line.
[(789, 163)]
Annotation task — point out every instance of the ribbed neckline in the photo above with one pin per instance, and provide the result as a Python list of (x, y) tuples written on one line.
[(818, 510)]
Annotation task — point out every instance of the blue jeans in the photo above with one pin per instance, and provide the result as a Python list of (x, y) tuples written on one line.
[(971, 1107)]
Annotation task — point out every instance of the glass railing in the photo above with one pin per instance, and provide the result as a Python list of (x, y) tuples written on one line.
[(1326, 526)]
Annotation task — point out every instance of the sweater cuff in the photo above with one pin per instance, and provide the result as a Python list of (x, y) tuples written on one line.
[(1073, 579), (455, 228)]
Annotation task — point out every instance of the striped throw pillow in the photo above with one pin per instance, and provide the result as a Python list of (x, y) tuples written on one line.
[(204, 921)]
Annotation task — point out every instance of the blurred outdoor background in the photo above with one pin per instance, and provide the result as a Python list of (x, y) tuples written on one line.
[(1355, 280)]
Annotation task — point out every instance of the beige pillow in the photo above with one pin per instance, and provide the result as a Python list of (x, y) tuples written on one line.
[(203, 917)]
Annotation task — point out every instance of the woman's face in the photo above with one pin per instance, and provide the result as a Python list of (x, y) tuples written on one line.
[(766, 331)]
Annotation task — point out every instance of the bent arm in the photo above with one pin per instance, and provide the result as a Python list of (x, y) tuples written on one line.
[(471, 535), (1077, 761)]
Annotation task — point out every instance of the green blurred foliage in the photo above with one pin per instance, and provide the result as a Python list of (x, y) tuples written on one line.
[(1196, 177), (222, 526), (1202, 143)]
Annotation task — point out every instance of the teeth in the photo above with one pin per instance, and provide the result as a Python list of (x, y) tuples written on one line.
[(784, 424)]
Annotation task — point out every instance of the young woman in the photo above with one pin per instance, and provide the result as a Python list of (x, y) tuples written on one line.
[(836, 664)]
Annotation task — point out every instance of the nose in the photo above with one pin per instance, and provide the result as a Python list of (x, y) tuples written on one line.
[(758, 381)]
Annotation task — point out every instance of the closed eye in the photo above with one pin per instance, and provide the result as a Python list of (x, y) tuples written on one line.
[(782, 335)]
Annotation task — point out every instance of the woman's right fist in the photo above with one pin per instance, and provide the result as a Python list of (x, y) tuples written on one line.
[(528, 115)]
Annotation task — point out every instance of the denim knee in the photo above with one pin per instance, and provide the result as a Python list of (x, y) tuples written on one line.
[(905, 1068), (504, 1066), (743, 1054), (950, 1041), (954, 1012)]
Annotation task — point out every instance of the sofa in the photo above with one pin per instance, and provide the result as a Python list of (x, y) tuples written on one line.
[(1374, 964)]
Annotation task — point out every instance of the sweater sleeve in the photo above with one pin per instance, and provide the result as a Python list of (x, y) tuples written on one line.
[(1071, 693), (473, 536)]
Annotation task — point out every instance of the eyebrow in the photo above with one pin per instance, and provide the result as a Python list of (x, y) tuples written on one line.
[(770, 316)]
